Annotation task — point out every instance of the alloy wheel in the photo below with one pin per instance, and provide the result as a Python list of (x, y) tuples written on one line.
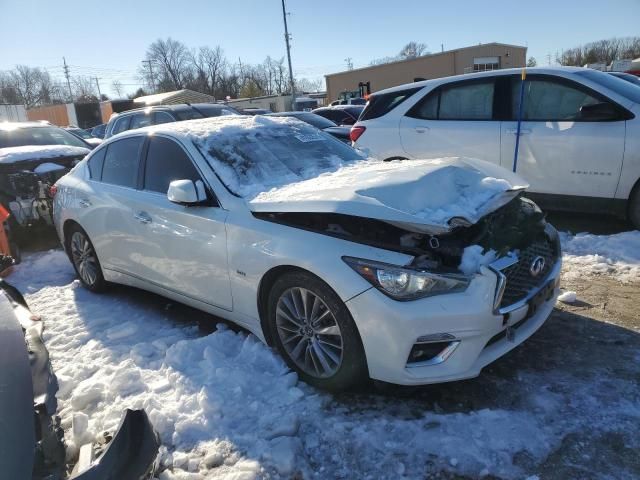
[(84, 258), (309, 332)]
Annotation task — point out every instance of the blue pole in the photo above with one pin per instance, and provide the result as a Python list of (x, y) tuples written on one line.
[(515, 153)]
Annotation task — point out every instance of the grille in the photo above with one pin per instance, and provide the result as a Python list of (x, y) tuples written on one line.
[(519, 280)]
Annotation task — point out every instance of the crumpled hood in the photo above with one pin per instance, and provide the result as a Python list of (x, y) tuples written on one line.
[(418, 195)]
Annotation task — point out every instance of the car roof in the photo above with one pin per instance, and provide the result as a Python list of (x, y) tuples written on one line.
[(14, 125), (174, 108), (204, 127), (489, 73)]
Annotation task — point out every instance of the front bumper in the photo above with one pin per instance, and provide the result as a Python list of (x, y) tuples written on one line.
[(389, 329)]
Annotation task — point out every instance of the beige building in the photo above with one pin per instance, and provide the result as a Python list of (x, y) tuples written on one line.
[(488, 56)]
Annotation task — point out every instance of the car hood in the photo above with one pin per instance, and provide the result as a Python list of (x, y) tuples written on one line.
[(426, 196), (10, 155)]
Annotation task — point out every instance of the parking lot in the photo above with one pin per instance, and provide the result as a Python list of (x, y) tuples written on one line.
[(565, 404)]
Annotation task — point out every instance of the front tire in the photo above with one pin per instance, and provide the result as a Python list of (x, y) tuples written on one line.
[(313, 331), (85, 260)]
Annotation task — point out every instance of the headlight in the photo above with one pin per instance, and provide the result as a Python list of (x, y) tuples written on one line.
[(403, 283)]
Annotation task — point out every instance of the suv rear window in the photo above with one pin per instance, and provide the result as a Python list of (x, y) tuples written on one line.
[(381, 104)]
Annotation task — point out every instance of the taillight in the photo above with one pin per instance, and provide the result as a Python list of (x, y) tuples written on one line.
[(355, 133), (53, 189)]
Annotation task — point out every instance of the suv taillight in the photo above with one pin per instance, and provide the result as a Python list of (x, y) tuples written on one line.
[(53, 189), (355, 133)]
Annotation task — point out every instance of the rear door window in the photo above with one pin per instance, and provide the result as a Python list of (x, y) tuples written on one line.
[(458, 101), (121, 162), (162, 117), (140, 120), (166, 162), (121, 125)]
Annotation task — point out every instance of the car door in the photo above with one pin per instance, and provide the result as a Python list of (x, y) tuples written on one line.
[(561, 151), (183, 248), (106, 200), (453, 120)]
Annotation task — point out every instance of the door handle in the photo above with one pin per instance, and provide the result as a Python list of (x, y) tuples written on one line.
[(523, 131), (421, 129), (84, 203), (142, 217)]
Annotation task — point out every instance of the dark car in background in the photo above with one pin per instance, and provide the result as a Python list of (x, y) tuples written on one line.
[(155, 115), (341, 114), (33, 156), (84, 135), (98, 130), (254, 111), (340, 132)]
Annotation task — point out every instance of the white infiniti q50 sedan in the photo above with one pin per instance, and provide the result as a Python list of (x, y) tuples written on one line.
[(407, 272)]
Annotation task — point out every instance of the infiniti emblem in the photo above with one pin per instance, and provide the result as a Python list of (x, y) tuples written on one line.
[(536, 266)]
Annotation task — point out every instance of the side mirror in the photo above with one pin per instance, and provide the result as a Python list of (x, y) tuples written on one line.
[(598, 111), (186, 192)]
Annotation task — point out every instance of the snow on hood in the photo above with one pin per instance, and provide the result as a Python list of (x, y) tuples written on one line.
[(419, 195), (38, 152)]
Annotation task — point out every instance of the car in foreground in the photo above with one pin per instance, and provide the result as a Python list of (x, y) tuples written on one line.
[(342, 133), (33, 156), (406, 272), (579, 143), (84, 135), (340, 114), (155, 115)]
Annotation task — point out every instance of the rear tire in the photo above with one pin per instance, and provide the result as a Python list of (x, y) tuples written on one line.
[(314, 333), (85, 260)]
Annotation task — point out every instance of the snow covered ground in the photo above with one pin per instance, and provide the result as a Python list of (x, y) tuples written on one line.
[(226, 407)]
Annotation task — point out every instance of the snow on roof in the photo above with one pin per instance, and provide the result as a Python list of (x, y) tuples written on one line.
[(177, 96), (37, 152)]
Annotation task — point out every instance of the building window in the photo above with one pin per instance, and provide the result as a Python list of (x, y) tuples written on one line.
[(482, 64)]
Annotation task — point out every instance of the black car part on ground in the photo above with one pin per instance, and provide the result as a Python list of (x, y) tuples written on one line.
[(31, 439), (130, 455), (514, 226)]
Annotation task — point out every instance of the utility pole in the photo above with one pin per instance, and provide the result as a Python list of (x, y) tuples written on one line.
[(151, 80), (349, 61), (442, 47), (286, 39), (66, 74), (99, 93)]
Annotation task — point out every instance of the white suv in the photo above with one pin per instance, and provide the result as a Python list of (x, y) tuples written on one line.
[(579, 140)]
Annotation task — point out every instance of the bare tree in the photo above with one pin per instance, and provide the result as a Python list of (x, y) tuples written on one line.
[(172, 63), (602, 51), (410, 50), (27, 85), (309, 85), (117, 87), (84, 89)]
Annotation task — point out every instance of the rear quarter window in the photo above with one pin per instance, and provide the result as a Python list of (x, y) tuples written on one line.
[(381, 104), (95, 164)]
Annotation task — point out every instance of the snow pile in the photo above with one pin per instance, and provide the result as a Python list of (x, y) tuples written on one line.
[(473, 258), (48, 167), (226, 407), (38, 152), (617, 255), (568, 297)]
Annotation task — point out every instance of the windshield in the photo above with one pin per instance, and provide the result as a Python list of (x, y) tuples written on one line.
[(316, 120), (80, 133), (216, 110), (20, 137), (272, 153), (621, 87)]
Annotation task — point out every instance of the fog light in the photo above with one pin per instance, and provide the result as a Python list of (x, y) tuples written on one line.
[(431, 353)]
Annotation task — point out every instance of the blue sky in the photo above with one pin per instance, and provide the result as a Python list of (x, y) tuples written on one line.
[(109, 38)]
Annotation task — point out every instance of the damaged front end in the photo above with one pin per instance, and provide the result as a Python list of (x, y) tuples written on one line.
[(31, 438), (513, 226)]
